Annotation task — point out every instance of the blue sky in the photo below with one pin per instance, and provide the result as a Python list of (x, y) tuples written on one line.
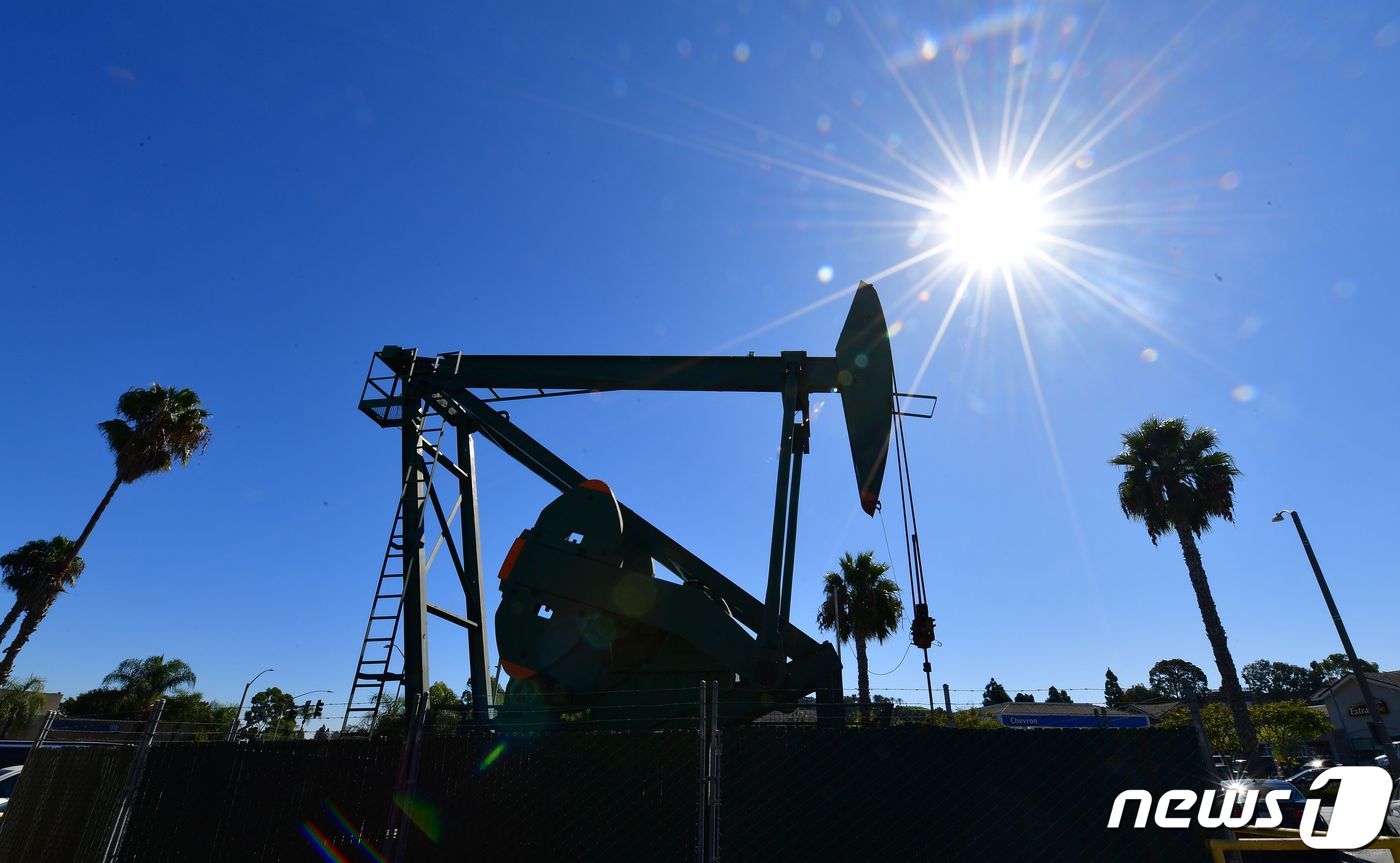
[(250, 199)]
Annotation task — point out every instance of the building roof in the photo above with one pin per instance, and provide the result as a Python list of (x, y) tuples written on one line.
[(1385, 678), (1154, 709), (1042, 708)]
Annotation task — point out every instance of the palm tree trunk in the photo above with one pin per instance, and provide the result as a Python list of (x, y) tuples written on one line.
[(862, 677), (32, 617), (1215, 632), (20, 603), (92, 522)]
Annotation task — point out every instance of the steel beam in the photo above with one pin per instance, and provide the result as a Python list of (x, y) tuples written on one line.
[(595, 372), (478, 647), (415, 615)]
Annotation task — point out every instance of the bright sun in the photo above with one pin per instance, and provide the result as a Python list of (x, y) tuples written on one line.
[(994, 223)]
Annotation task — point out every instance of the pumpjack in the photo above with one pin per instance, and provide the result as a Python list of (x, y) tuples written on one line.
[(584, 622)]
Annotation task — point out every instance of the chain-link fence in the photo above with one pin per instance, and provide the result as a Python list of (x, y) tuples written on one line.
[(541, 785), (64, 805), (794, 793)]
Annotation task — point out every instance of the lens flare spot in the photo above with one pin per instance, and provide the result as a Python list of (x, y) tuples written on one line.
[(684, 48), (322, 844), (1019, 55), (345, 825), (825, 273), (816, 50), (635, 593), (928, 49), (1229, 181), (833, 16), (1056, 70), (1068, 25), (1244, 393), (895, 328), (742, 52), (923, 296), (1085, 161), (823, 123), (423, 816), (492, 757), (1388, 36), (1148, 355)]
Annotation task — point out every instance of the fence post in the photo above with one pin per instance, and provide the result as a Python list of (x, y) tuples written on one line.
[(133, 782), (44, 729), (399, 820), (947, 706), (701, 777), (713, 764)]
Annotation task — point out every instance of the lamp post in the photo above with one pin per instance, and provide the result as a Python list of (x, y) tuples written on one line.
[(1379, 733), (233, 727)]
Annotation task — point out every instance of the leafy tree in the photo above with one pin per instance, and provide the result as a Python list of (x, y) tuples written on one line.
[(1279, 681), (155, 427), (1219, 723), (322, 733), (446, 709), (1112, 692), (1174, 678), (1024, 698), (271, 714), (143, 682), (1286, 724), (860, 604), (20, 702), (1283, 725), (32, 571), (1058, 696), (994, 693), (105, 703), (1138, 693), (192, 716), (973, 718), (390, 720), (1175, 480), (1335, 667)]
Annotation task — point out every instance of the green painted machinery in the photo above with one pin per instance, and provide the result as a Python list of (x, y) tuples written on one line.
[(584, 623)]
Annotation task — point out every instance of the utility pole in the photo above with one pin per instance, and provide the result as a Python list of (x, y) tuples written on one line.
[(1379, 733), (238, 714)]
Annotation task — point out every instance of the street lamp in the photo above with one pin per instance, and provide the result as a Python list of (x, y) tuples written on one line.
[(1379, 733), (233, 728), (306, 713)]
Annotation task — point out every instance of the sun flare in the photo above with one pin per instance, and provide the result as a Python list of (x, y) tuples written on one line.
[(994, 223)]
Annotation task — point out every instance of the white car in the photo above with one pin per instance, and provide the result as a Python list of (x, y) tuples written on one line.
[(8, 777), (1393, 816)]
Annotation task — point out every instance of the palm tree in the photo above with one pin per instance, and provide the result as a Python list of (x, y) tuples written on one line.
[(37, 572), (30, 567), (20, 702), (861, 604), (156, 427), (143, 682), (1176, 481)]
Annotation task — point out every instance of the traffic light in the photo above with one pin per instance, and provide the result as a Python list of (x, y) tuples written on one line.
[(320, 705)]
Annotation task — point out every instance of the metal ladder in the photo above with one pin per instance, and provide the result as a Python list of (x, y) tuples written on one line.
[(376, 667)]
